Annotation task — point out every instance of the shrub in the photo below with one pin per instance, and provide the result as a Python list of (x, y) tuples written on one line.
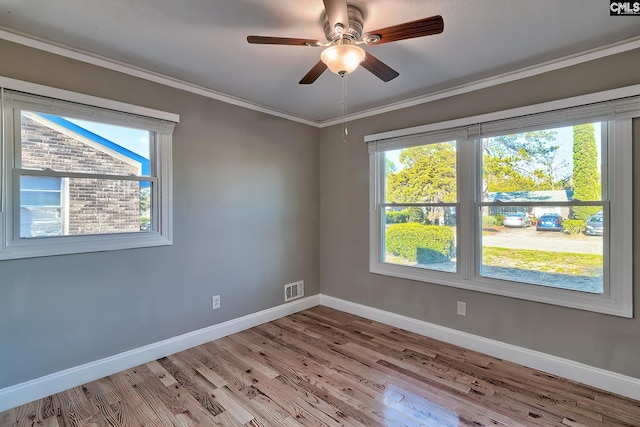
[(499, 219), (573, 226), (488, 221), (584, 212), (415, 214), (396, 217), (421, 243)]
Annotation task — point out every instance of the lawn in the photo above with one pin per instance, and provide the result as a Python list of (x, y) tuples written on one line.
[(549, 262), (533, 260)]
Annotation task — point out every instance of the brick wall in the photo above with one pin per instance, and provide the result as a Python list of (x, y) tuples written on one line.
[(94, 206)]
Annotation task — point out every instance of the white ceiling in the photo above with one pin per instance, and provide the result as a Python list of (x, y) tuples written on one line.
[(203, 42)]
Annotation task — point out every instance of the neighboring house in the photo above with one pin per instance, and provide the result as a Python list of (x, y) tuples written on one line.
[(532, 197), (53, 206)]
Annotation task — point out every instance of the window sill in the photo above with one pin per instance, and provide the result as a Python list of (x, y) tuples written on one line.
[(52, 246), (599, 303)]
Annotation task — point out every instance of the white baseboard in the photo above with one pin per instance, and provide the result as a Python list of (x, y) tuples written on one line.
[(38, 388), (579, 372)]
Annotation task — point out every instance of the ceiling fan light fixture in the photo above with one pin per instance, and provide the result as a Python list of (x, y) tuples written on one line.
[(343, 58)]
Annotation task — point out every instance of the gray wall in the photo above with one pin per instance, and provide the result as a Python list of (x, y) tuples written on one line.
[(603, 341), (245, 223), (260, 202)]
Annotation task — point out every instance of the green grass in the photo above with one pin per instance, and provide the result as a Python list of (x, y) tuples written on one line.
[(551, 262), (526, 259)]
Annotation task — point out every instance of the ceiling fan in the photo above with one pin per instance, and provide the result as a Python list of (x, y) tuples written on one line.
[(343, 28)]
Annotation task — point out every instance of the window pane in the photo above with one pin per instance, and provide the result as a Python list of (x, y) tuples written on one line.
[(421, 237), (92, 206), (40, 206), (423, 174), (539, 246), (39, 183), (40, 198), (69, 145), (40, 221), (552, 165)]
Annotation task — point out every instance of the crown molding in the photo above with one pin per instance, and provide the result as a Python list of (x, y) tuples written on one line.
[(142, 73), (104, 62), (556, 64)]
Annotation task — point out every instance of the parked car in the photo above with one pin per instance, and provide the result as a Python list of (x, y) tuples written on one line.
[(517, 219), (550, 222), (594, 226)]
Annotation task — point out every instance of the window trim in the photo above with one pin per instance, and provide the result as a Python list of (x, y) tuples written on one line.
[(159, 123), (617, 297)]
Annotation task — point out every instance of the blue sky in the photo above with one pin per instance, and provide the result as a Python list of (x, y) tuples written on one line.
[(136, 140)]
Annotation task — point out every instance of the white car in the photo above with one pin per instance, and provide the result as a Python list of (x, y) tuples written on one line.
[(517, 219)]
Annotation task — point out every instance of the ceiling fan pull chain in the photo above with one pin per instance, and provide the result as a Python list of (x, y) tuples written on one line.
[(345, 97)]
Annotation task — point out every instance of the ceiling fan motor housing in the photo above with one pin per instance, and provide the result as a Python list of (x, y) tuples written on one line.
[(354, 32)]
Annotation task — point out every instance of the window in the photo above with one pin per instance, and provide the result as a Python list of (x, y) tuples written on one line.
[(42, 203), (79, 178), (420, 201), (527, 205), (553, 178)]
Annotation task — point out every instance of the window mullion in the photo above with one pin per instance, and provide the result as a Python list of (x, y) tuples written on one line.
[(81, 175), (466, 184)]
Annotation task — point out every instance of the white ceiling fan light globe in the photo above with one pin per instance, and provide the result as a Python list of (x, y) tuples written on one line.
[(343, 58)]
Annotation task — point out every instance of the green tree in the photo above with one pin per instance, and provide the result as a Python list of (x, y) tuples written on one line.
[(428, 175), (586, 177), (522, 162), (145, 208)]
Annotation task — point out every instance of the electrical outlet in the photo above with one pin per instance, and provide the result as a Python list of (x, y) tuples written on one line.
[(462, 308), (216, 301)]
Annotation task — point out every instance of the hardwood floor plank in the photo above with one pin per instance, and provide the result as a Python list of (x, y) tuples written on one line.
[(193, 393), (244, 354), (78, 410), (165, 377), (27, 415), (322, 367), (9, 418), (108, 401), (140, 410)]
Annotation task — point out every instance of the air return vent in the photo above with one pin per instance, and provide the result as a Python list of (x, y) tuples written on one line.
[(293, 290)]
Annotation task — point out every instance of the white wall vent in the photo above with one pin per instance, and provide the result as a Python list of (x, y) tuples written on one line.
[(293, 290)]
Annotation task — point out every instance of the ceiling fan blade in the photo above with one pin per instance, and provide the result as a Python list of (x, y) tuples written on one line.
[(379, 68), (409, 30), (282, 40), (337, 13), (314, 73)]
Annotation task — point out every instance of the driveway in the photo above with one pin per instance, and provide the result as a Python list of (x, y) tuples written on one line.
[(552, 241)]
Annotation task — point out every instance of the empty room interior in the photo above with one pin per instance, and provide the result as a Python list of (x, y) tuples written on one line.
[(233, 213)]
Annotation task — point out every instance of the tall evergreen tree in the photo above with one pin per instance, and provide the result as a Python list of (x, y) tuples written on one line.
[(586, 177)]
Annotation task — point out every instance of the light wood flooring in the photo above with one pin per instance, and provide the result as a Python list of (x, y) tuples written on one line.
[(322, 367)]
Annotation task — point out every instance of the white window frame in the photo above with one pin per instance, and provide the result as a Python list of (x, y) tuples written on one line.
[(618, 281), (23, 95)]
